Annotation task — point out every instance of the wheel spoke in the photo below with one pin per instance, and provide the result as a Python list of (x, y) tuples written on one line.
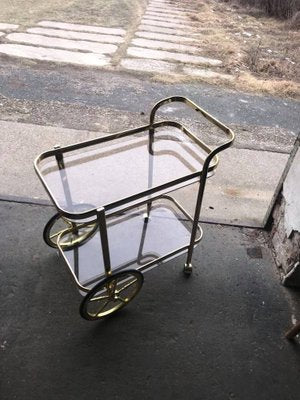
[(121, 299), (126, 286), (71, 224), (56, 234), (102, 308), (99, 298)]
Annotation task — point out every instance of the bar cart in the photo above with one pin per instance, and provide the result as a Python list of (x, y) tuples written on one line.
[(116, 214)]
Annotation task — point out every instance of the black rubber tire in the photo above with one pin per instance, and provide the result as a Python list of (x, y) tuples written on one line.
[(85, 302), (47, 229)]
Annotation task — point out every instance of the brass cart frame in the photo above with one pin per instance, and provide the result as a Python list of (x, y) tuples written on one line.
[(114, 287)]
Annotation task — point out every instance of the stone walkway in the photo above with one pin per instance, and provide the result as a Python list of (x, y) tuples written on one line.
[(165, 42), (63, 42)]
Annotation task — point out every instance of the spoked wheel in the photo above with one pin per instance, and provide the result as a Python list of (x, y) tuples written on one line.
[(72, 233), (111, 294)]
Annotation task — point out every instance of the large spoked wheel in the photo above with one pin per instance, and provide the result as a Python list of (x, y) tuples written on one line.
[(111, 294), (73, 234)]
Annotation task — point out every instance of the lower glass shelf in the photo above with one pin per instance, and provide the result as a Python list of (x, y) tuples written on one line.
[(134, 241)]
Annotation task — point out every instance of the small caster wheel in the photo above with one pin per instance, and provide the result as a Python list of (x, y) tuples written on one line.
[(188, 269), (111, 294)]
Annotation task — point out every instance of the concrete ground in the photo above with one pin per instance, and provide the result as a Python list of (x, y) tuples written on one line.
[(215, 335)]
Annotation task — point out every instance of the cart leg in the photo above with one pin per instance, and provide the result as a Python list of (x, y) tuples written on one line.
[(147, 214), (150, 170), (188, 265), (104, 240)]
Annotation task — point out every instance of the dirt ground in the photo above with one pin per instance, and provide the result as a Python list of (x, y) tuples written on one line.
[(119, 13), (262, 52)]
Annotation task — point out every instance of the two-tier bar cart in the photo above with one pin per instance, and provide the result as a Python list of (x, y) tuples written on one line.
[(117, 215)]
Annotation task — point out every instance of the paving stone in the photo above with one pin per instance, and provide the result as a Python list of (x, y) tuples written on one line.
[(158, 44), (7, 27), (83, 28), (154, 15), (168, 38), (47, 41), (162, 2), (169, 10), (204, 73), (159, 29), (166, 7), (168, 56), (93, 37), (142, 64), (169, 19), (42, 53), (147, 21)]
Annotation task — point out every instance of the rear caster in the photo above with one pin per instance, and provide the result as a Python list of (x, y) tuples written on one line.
[(188, 269)]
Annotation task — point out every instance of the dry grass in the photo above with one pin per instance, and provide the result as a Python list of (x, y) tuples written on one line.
[(96, 12), (286, 88), (167, 78), (261, 52)]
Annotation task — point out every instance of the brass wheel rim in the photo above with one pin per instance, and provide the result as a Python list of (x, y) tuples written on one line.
[(112, 294), (70, 236), (75, 235)]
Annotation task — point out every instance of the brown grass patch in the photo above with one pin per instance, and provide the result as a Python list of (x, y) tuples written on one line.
[(94, 12), (261, 52), (246, 81)]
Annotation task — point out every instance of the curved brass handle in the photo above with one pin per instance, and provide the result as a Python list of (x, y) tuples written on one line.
[(190, 103)]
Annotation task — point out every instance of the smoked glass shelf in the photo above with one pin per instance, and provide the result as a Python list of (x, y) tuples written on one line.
[(135, 241), (115, 170)]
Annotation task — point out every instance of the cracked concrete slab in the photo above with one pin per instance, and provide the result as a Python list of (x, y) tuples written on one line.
[(169, 10), (94, 37), (147, 34), (161, 45), (8, 27), (201, 73), (153, 14), (147, 21), (143, 64), (55, 55), (167, 18), (160, 29), (165, 67), (169, 56), (82, 28), (46, 41)]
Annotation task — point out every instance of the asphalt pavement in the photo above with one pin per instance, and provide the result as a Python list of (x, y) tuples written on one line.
[(131, 92), (215, 335)]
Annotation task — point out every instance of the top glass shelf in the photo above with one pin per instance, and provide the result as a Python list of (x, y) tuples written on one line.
[(119, 168)]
